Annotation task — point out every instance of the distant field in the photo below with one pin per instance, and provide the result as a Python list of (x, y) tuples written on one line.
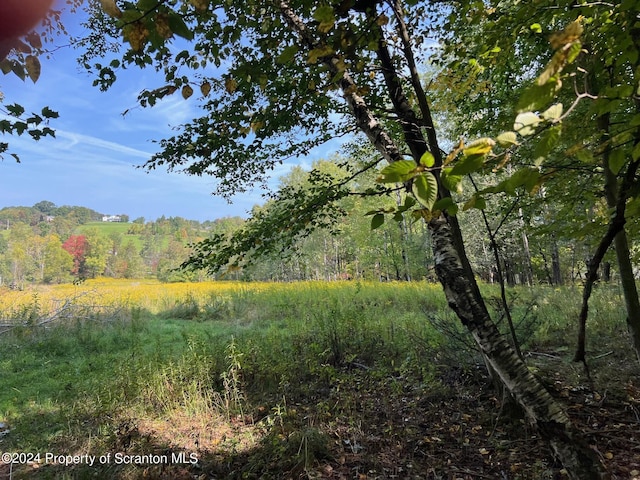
[(150, 295), (106, 227)]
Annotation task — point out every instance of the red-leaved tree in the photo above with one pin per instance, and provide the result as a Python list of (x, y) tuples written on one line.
[(77, 246)]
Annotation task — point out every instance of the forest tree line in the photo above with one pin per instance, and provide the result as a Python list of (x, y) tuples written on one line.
[(49, 244)]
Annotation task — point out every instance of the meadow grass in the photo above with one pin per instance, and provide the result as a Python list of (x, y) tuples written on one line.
[(170, 342), (188, 361)]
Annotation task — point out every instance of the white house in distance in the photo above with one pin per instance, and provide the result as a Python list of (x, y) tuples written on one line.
[(111, 218)]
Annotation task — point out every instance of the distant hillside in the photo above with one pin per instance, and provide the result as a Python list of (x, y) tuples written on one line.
[(46, 211), (50, 244)]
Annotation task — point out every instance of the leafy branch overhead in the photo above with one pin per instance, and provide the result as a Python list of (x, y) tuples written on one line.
[(467, 159), (32, 28), (34, 125)]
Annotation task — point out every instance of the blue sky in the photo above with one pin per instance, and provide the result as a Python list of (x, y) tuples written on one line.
[(92, 160)]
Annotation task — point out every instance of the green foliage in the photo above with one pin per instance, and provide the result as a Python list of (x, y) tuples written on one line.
[(398, 172), (290, 215), (425, 189)]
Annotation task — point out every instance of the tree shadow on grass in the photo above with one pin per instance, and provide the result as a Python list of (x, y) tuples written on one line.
[(359, 424)]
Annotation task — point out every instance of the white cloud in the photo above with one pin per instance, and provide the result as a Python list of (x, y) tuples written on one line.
[(78, 139)]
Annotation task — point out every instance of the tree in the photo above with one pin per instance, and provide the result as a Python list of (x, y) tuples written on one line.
[(125, 262), (46, 207), (58, 261), (598, 151), (22, 264), (77, 247), (290, 67), (97, 253)]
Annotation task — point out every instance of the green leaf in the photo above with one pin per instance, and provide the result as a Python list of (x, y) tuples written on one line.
[(475, 202), (633, 208), (468, 165), (635, 154), (507, 139), (177, 26), (449, 181), (5, 66), (536, 28), (147, 5), (15, 109), (319, 52), (427, 159), (20, 127), (446, 204), (525, 177), (377, 221), (397, 172), (546, 144), (409, 202), (425, 188), (18, 70), (584, 155), (288, 54), (526, 123), (537, 96), (574, 51), (129, 16), (617, 159), (325, 17)]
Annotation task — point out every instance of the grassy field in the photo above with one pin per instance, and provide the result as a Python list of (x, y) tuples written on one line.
[(304, 380), (106, 229)]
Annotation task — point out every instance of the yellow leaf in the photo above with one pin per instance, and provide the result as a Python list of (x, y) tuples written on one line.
[(201, 5), (136, 34), (454, 153), (382, 20), (571, 33), (317, 53), (205, 88), (110, 8), (187, 91), (230, 85), (481, 146), (32, 64), (162, 25), (507, 139)]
